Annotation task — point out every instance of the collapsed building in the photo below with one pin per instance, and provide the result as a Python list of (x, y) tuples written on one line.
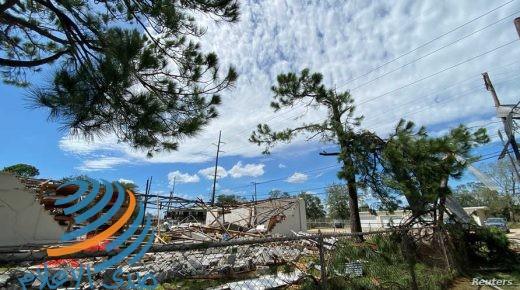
[(29, 215)]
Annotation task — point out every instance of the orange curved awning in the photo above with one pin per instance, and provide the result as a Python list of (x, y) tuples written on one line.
[(95, 240)]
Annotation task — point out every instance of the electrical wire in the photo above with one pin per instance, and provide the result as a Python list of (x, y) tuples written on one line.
[(427, 43)]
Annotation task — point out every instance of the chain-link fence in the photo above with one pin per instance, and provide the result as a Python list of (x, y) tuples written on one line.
[(376, 260)]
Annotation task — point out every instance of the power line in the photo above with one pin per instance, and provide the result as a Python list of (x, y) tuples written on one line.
[(434, 74), (284, 178), (438, 93), (440, 90), (431, 53), (426, 43), (425, 108), (309, 190), (438, 72), (498, 68)]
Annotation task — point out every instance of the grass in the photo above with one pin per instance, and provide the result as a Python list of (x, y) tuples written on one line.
[(188, 284), (384, 267)]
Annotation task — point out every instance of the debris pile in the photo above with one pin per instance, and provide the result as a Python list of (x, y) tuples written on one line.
[(210, 263)]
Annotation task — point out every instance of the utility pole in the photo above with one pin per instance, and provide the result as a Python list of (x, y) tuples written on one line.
[(509, 133), (254, 184), (509, 155), (158, 215), (254, 204), (171, 197), (146, 192), (216, 166)]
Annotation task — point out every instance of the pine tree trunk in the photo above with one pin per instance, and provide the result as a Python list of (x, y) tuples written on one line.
[(355, 221), (442, 202), (441, 209)]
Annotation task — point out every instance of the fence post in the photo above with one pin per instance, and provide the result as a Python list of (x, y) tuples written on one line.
[(323, 270)]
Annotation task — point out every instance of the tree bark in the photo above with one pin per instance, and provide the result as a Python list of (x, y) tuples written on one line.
[(355, 221), (31, 63), (442, 202)]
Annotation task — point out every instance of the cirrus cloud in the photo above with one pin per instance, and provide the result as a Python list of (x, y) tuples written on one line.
[(282, 36)]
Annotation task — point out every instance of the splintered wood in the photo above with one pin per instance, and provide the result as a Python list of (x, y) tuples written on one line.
[(183, 220), (224, 222)]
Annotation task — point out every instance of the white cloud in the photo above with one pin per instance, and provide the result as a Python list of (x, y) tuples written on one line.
[(210, 172), (122, 180), (252, 170), (281, 165), (182, 177), (103, 163), (281, 36), (297, 177)]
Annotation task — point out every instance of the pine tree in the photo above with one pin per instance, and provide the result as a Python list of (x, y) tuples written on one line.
[(419, 166), (358, 148), (128, 67)]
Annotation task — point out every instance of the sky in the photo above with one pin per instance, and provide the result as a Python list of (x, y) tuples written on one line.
[(418, 60)]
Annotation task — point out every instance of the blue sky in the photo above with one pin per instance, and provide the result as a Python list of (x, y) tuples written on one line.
[(342, 39)]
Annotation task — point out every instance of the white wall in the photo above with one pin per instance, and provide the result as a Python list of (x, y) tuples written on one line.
[(295, 218), (22, 219)]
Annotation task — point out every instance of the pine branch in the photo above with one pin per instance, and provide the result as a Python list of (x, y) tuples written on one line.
[(31, 63), (8, 4)]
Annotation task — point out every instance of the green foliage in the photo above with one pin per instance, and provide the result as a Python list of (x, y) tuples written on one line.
[(276, 193), (482, 246), (23, 170), (132, 68), (313, 207), (385, 266), (504, 175), (337, 201), (358, 149), (74, 177), (228, 199), (477, 194), (418, 165), (307, 88), (487, 244)]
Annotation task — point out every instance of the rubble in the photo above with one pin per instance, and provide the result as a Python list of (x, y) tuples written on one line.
[(248, 220), (263, 282)]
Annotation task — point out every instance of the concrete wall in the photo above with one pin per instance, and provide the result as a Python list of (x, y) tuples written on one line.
[(294, 220), (381, 220), (22, 219), (477, 213), (372, 222)]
